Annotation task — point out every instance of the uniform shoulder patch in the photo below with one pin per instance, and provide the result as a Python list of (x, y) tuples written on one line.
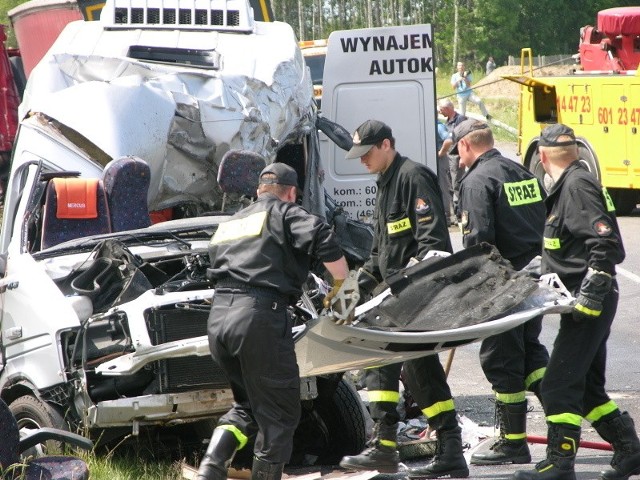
[(423, 206), (602, 228)]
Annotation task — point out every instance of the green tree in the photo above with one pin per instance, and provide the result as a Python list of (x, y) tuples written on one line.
[(5, 6)]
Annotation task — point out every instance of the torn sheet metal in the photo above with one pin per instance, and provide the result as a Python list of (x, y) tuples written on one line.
[(472, 286), (386, 328), (180, 119)]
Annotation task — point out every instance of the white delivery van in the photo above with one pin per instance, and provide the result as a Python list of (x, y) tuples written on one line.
[(386, 74)]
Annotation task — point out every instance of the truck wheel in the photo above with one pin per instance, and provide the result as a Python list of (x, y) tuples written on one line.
[(333, 425), (624, 199), (537, 169), (31, 414), (588, 160)]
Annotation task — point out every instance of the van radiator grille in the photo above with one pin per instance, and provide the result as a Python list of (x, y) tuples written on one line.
[(184, 373)]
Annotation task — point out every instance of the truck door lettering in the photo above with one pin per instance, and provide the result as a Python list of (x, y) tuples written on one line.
[(382, 43), (403, 65)]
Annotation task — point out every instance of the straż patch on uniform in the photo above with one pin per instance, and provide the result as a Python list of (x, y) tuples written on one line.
[(423, 207), (602, 228)]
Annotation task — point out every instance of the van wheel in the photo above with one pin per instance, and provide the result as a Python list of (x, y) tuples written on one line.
[(31, 414), (331, 426)]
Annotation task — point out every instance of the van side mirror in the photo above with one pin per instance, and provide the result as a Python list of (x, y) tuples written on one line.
[(337, 133)]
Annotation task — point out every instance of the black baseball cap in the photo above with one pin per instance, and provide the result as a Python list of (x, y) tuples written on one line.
[(284, 175), (549, 136), (463, 129), (366, 136)]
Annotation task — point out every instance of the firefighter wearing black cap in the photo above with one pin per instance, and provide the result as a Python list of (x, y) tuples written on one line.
[(260, 258), (502, 203), (409, 221), (582, 244)]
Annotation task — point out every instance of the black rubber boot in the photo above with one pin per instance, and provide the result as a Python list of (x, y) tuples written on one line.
[(620, 432), (381, 453), (215, 463), (511, 446), (448, 460), (262, 470), (562, 446), (535, 388)]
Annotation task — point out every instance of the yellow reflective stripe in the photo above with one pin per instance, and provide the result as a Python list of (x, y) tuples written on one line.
[(440, 407), (387, 443), (569, 418), (399, 226), (515, 436), (534, 376), (523, 192), (511, 397), (384, 396), (551, 243), (602, 410), (608, 200), (265, 11), (587, 311), (250, 226), (551, 465), (240, 437)]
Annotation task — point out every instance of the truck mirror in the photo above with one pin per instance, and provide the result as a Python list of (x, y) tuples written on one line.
[(337, 133)]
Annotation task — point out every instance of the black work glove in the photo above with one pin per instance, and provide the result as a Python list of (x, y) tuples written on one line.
[(534, 267), (367, 282), (594, 288)]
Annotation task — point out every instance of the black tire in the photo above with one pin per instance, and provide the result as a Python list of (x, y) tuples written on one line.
[(333, 425), (586, 156), (588, 159), (537, 169), (624, 199), (32, 413)]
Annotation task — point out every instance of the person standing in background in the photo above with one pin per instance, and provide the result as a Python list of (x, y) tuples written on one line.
[(453, 118), (444, 174), (461, 82), (491, 66)]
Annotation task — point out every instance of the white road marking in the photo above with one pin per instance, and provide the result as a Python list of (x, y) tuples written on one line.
[(628, 274)]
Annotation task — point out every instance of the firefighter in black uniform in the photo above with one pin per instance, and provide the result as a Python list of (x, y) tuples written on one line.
[(582, 244), (260, 258), (502, 203), (409, 221)]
